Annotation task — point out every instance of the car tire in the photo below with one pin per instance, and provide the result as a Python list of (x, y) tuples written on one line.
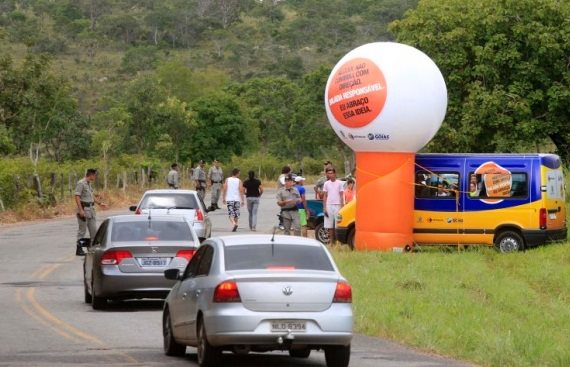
[(98, 303), (208, 355), (87, 295), (171, 347), (337, 355), (350, 238), (300, 353), (321, 233), (509, 241)]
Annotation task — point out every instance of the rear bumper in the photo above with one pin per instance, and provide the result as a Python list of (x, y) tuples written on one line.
[(236, 325), (114, 284), (341, 234), (542, 236)]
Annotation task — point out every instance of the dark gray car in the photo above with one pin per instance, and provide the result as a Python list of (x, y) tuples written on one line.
[(129, 254)]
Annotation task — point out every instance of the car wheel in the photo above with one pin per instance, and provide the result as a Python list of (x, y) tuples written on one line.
[(171, 347), (208, 356), (321, 233), (87, 295), (509, 241), (350, 238), (300, 353), (337, 355), (98, 303)]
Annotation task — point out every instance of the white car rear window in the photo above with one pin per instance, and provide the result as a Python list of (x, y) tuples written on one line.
[(169, 201), (276, 257), (153, 231)]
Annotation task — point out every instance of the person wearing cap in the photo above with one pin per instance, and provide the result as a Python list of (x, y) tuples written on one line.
[(302, 206), (216, 177), (287, 198), (85, 201), (200, 179)]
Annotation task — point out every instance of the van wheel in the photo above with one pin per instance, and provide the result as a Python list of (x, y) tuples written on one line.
[(321, 233), (509, 241), (350, 238)]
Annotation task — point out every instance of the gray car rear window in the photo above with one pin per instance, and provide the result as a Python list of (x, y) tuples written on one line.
[(172, 201), (282, 256), (156, 231)]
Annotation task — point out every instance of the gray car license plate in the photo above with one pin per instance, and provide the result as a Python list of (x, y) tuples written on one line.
[(153, 261), (299, 326)]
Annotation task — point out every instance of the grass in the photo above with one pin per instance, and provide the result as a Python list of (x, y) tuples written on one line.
[(476, 305)]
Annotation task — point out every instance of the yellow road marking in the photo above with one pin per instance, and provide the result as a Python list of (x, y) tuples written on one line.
[(46, 318)]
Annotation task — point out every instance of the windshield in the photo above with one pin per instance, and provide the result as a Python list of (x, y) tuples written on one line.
[(156, 231), (169, 201), (276, 257)]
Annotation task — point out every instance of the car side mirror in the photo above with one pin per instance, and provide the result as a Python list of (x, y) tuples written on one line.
[(172, 274), (133, 208), (84, 242)]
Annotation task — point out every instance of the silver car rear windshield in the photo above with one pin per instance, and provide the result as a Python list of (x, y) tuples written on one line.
[(276, 257), (169, 201), (156, 231)]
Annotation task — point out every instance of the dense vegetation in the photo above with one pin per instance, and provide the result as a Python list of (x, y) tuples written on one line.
[(181, 80)]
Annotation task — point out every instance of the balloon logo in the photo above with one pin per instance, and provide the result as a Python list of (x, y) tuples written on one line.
[(357, 93)]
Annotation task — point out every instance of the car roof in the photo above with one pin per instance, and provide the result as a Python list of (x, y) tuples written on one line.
[(144, 218), (170, 191), (264, 239)]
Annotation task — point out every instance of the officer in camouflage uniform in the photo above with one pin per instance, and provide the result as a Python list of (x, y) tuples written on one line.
[(85, 201), (216, 177)]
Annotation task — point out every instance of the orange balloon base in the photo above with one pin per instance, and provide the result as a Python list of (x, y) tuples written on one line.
[(385, 201)]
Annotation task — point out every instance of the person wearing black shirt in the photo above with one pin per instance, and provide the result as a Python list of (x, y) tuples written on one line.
[(253, 191)]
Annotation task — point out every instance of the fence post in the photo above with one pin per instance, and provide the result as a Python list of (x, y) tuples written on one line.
[(2, 205), (61, 193), (124, 182), (37, 185), (143, 178)]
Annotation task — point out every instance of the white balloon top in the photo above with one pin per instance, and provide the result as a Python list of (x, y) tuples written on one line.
[(386, 96)]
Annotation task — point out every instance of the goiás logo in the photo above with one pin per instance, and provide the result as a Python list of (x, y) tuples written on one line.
[(378, 136)]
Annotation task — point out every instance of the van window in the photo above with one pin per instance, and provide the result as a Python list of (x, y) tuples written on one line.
[(437, 185), (498, 185)]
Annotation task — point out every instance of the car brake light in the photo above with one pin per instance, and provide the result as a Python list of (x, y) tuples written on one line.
[(227, 292), (114, 257), (542, 218), (138, 211), (199, 215), (187, 254), (343, 293)]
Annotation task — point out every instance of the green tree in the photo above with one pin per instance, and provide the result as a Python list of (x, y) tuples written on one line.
[(221, 128), (178, 129), (505, 63)]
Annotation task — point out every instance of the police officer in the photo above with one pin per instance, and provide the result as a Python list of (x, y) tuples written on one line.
[(85, 201), (216, 177), (200, 179), (172, 178), (287, 198)]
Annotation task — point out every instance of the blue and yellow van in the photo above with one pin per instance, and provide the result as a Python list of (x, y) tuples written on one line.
[(511, 201)]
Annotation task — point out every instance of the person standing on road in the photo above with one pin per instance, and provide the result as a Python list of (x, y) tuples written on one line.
[(302, 205), (233, 197), (172, 178), (253, 191), (321, 181), (85, 201), (200, 179), (287, 198), (333, 200), (216, 177)]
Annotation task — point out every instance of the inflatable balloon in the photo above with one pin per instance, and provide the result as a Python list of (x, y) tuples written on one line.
[(386, 101)]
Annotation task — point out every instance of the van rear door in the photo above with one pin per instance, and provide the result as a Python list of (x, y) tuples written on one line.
[(554, 192)]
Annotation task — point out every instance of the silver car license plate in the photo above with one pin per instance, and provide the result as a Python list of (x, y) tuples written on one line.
[(299, 326), (153, 261)]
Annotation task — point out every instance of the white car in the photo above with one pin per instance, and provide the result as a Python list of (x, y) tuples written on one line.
[(259, 293), (186, 203)]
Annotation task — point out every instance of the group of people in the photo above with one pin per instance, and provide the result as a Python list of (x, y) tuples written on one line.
[(235, 193)]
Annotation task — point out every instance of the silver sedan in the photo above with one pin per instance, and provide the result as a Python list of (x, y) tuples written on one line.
[(129, 254), (259, 293)]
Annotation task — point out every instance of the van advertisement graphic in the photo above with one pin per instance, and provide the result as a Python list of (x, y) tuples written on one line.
[(554, 184), (496, 182)]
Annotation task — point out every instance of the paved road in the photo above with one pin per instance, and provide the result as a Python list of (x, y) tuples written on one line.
[(44, 322)]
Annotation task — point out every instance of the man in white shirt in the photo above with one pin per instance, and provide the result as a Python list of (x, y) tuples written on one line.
[(333, 200)]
